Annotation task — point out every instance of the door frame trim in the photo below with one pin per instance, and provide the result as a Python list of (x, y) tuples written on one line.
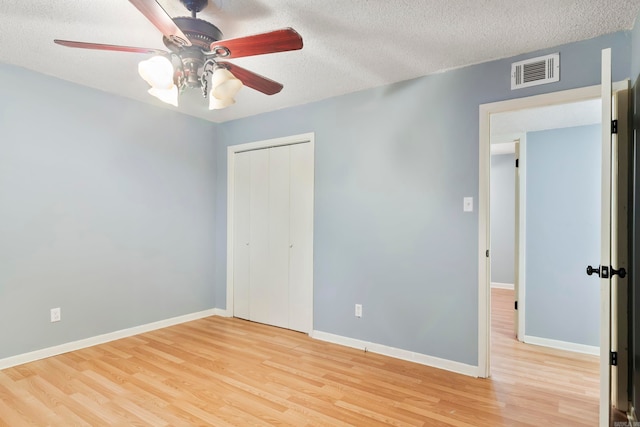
[(251, 146), (519, 139), (521, 235), (484, 231)]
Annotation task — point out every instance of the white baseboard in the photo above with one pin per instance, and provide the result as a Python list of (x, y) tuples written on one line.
[(562, 345), (221, 312), (104, 338), (499, 285), (423, 359)]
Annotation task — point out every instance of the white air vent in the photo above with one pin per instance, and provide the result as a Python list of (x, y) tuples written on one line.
[(535, 71)]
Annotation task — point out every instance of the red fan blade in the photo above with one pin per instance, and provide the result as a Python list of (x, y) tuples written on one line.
[(112, 47), (259, 44), (158, 17), (253, 80)]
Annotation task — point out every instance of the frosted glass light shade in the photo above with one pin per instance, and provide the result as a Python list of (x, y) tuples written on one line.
[(170, 96), (224, 85), (218, 104), (157, 71)]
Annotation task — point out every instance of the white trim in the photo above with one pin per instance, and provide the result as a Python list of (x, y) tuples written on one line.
[(484, 238), (269, 143), (498, 285), (221, 312), (258, 145), (562, 345), (503, 148), (32, 356), (423, 359), (505, 138), (521, 229)]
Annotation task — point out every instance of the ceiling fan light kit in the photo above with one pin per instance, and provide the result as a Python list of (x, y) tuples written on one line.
[(157, 71), (224, 85), (170, 96), (193, 61)]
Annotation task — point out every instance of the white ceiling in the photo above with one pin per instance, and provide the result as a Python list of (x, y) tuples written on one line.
[(348, 45)]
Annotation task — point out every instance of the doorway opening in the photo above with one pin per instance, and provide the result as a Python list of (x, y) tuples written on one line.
[(544, 193)]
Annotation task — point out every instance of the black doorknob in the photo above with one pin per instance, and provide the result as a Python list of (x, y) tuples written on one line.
[(591, 270), (621, 272)]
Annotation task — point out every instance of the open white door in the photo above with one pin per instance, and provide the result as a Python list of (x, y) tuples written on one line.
[(614, 252), (605, 245), (620, 249)]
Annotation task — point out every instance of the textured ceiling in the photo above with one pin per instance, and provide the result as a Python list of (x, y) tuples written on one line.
[(348, 45)]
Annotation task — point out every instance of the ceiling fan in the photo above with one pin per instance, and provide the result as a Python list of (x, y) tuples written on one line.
[(194, 58)]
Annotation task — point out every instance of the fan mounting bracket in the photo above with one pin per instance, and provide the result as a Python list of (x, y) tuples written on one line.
[(194, 6)]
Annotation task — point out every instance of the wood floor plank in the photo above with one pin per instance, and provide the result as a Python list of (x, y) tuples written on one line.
[(230, 372), (11, 416)]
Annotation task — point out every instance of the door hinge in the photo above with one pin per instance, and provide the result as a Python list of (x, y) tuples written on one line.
[(516, 305), (614, 358), (517, 163), (614, 126), (487, 253)]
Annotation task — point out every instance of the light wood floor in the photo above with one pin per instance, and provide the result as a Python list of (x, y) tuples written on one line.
[(567, 384), (220, 372)]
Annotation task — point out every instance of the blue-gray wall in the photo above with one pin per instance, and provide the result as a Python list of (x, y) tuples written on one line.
[(107, 211), (392, 167), (563, 234), (503, 203)]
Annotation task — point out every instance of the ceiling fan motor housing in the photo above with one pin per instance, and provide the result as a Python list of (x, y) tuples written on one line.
[(201, 34)]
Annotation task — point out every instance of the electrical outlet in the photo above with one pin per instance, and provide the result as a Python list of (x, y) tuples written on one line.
[(55, 314), (358, 310)]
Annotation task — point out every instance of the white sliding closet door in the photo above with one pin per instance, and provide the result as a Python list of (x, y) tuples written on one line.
[(259, 292), (273, 236), (301, 238), (241, 224), (278, 280)]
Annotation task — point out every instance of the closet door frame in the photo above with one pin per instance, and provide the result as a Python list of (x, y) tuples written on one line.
[(306, 138)]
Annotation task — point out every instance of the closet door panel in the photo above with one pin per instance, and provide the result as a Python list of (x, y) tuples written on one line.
[(279, 236), (301, 236), (259, 289), (241, 239)]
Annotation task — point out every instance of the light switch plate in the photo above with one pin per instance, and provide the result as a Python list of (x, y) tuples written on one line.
[(468, 204)]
